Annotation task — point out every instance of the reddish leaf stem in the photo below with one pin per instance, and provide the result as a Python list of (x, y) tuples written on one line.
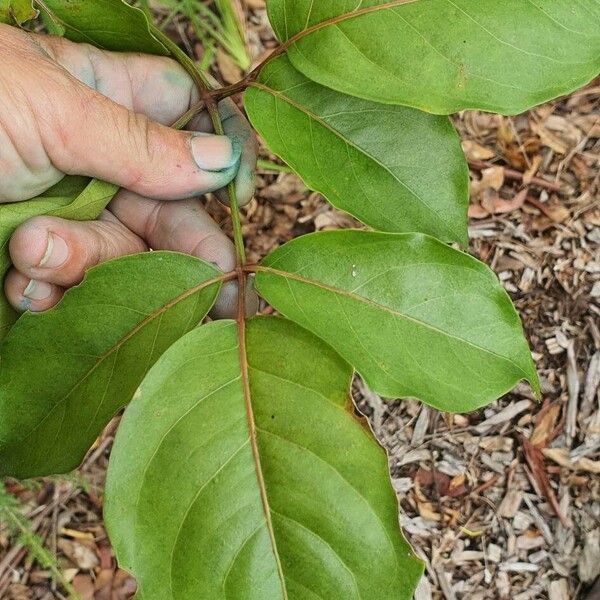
[(210, 102), (241, 85)]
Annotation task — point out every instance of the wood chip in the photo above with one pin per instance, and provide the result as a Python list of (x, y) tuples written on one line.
[(519, 567), (561, 457), (589, 563), (558, 590), (506, 414)]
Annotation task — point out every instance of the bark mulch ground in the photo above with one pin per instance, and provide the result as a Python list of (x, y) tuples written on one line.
[(501, 503)]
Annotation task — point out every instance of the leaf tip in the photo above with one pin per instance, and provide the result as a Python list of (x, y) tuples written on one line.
[(534, 384)]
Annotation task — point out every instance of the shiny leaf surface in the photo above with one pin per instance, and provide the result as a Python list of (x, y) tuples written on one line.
[(199, 507), (413, 316), (65, 372), (443, 56), (371, 160), (108, 24)]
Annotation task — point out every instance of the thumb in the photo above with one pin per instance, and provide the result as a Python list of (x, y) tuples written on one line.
[(100, 138)]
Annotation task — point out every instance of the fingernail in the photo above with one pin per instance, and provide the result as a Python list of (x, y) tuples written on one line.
[(56, 253), (37, 290), (215, 152)]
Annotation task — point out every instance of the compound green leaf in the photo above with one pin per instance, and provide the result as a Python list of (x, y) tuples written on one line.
[(443, 56), (107, 24), (252, 479), (65, 372), (371, 160), (413, 316), (76, 198), (16, 12)]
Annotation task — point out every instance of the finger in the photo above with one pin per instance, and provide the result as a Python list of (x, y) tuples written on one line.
[(128, 147), (25, 293), (152, 85), (59, 252), (102, 139), (179, 226), (236, 127), (183, 227), (98, 128)]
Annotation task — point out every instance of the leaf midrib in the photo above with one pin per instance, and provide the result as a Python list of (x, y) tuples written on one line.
[(280, 94), (341, 292), (260, 480)]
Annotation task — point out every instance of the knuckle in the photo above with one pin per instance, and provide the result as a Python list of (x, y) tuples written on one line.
[(65, 135), (138, 140)]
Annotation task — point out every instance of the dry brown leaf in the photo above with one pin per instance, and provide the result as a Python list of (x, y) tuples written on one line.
[(476, 211), (84, 586), (427, 512), (558, 213), (103, 585), (535, 461), (565, 129), (440, 481), (475, 151), (502, 206), (229, 70), (82, 556), (458, 486), (549, 139), (491, 178), (124, 586), (545, 427), (288, 189), (532, 170)]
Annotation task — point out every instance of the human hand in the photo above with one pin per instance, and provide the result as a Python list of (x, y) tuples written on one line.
[(70, 108)]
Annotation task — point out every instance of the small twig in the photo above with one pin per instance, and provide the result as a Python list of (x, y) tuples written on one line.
[(486, 485), (517, 176)]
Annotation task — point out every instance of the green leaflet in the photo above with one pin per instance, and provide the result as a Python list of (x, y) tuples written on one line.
[(7, 316), (413, 316), (87, 205), (369, 159), (16, 12), (183, 501), (108, 24), (443, 56), (72, 198), (65, 372)]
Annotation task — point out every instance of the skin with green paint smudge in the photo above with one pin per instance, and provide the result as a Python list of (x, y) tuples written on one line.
[(77, 110)]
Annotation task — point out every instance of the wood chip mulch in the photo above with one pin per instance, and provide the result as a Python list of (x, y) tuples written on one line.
[(501, 503)]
